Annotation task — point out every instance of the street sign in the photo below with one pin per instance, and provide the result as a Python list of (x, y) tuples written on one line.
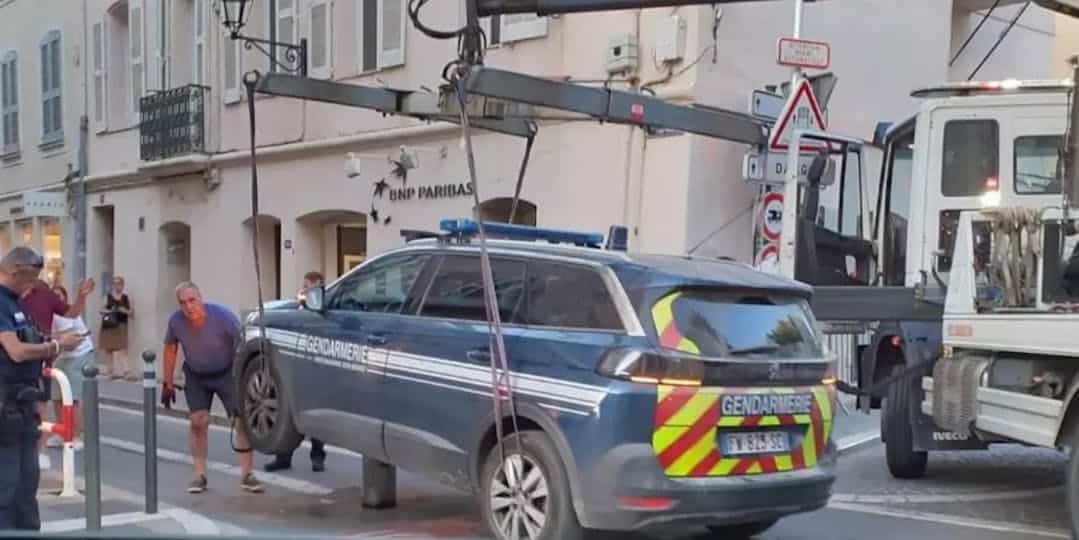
[(803, 53), (767, 259), (765, 105), (771, 218), (771, 168), (800, 112)]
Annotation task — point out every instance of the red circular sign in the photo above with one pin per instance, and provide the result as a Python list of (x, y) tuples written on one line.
[(772, 215)]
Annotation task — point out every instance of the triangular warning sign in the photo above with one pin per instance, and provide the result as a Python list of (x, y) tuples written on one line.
[(800, 112)]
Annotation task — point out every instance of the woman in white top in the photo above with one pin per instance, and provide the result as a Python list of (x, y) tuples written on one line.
[(71, 364)]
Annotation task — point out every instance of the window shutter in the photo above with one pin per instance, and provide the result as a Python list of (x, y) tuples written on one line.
[(9, 103), (521, 26), (198, 53), (100, 88), (391, 33), (367, 35), (51, 88), (137, 46), (320, 60), (286, 27), (231, 50)]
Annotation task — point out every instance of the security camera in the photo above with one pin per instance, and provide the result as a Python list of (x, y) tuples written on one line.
[(352, 165)]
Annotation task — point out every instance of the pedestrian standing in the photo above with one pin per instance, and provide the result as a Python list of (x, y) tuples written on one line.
[(318, 448), (210, 336), (70, 364), (42, 304), (113, 339), (22, 350)]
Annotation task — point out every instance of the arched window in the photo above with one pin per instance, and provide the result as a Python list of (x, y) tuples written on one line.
[(498, 210)]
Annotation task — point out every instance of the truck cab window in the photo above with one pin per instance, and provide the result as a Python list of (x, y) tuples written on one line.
[(971, 156), (1036, 158), (900, 171)]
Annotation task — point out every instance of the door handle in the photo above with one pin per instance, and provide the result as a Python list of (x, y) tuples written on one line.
[(376, 340), (479, 355)]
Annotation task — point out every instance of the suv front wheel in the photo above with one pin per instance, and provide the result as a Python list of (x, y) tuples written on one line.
[(264, 411), (526, 496)]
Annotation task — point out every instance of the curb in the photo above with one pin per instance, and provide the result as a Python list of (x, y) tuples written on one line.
[(215, 418)]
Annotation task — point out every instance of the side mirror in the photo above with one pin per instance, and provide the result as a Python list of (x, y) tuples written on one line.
[(821, 170), (315, 298)]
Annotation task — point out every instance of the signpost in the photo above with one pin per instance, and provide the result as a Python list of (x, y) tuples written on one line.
[(803, 53), (766, 105)]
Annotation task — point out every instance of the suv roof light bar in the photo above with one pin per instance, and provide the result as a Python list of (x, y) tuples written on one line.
[(469, 228), (1007, 86)]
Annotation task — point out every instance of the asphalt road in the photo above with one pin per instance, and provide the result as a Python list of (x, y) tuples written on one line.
[(1005, 493)]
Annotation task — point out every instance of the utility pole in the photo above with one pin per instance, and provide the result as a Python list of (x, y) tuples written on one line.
[(84, 139), (788, 242)]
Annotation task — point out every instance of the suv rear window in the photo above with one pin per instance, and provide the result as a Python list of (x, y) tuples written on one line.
[(568, 296), (724, 324)]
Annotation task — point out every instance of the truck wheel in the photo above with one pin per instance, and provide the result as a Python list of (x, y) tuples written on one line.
[(898, 430), (741, 530), (264, 412), (527, 496), (1073, 484)]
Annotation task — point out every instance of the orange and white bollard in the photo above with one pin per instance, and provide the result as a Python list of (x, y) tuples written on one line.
[(65, 429)]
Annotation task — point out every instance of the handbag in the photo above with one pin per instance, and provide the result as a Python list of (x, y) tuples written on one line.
[(110, 320)]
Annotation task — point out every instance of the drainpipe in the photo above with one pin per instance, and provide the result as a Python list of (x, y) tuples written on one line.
[(84, 131)]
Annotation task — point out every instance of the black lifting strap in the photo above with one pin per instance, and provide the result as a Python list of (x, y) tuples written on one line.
[(250, 80), (877, 389), (521, 174)]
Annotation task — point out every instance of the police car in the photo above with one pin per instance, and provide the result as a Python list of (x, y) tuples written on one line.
[(648, 389)]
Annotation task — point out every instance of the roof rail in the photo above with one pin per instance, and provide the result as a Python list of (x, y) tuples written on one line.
[(1007, 86), (467, 228), (414, 234)]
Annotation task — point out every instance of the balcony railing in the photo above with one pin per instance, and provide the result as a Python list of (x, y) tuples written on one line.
[(172, 123)]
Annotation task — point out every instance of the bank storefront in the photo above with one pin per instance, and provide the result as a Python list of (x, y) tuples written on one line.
[(37, 219)]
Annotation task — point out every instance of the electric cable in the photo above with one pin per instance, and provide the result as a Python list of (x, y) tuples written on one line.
[(1000, 39), (974, 32)]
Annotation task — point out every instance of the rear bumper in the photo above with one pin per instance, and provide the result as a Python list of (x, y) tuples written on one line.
[(632, 471)]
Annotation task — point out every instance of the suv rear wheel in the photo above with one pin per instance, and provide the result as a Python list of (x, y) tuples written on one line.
[(741, 530), (264, 413), (527, 496)]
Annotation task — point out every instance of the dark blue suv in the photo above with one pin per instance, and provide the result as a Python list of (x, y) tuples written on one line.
[(648, 389)]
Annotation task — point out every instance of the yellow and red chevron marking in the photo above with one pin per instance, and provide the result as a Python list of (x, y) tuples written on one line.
[(663, 318), (688, 418)]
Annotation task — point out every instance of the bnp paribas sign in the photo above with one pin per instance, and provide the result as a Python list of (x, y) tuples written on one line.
[(438, 191)]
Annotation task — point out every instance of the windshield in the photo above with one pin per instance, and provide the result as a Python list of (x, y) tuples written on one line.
[(724, 324)]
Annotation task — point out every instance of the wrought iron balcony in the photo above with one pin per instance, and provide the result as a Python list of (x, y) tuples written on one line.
[(172, 122)]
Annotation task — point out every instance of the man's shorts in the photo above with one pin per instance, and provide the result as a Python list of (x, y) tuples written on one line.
[(200, 390), (72, 369)]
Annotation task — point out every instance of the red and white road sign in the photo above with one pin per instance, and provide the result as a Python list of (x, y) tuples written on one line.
[(800, 112), (803, 53), (772, 215), (768, 259)]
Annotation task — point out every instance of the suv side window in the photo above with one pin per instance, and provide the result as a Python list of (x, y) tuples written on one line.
[(456, 291), (382, 287), (569, 296)]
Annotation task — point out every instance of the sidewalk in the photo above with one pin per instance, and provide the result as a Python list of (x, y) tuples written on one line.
[(849, 430), (121, 513)]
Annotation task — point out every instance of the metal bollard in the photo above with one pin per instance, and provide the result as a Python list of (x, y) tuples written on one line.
[(92, 447), (379, 484), (149, 416)]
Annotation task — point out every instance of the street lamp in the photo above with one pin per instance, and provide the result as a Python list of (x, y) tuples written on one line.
[(295, 56)]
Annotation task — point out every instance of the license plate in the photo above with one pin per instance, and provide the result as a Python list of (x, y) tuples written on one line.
[(756, 442)]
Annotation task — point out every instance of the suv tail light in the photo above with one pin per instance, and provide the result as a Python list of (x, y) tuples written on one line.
[(649, 367)]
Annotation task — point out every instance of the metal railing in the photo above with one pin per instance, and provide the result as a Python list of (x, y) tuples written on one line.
[(172, 122)]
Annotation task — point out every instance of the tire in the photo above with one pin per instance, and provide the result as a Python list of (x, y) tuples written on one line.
[(537, 455), (1072, 476), (742, 530), (264, 412), (898, 428)]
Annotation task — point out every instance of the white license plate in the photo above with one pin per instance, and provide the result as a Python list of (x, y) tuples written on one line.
[(757, 442)]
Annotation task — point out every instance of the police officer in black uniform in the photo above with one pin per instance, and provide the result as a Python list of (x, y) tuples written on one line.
[(21, 351)]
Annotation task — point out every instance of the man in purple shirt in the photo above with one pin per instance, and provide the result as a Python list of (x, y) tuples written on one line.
[(210, 336)]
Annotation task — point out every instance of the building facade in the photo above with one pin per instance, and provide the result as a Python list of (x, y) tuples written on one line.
[(168, 134)]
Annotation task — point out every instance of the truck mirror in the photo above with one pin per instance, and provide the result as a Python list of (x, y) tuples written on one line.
[(818, 167), (314, 298)]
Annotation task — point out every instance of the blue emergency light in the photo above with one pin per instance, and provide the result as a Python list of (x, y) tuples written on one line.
[(469, 227)]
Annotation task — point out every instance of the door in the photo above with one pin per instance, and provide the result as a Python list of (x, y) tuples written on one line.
[(438, 386), (346, 351)]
